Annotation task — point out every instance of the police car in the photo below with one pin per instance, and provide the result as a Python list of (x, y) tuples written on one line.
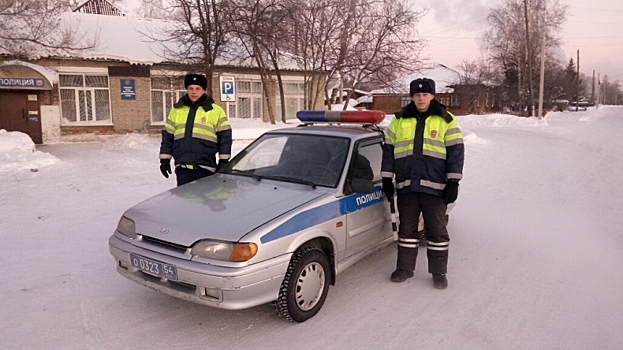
[(287, 214)]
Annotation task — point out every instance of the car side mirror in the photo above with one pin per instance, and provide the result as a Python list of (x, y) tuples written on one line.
[(362, 186)]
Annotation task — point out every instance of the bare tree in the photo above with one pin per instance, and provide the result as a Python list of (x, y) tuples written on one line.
[(506, 40), (611, 93), (472, 77), (382, 46), (30, 27), (201, 34), (355, 42), (475, 72), (312, 31), (154, 9), (258, 26)]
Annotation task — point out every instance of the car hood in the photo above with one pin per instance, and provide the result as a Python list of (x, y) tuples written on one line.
[(220, 207)]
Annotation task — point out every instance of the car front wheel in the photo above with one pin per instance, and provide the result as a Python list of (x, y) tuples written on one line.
[(305, 285)]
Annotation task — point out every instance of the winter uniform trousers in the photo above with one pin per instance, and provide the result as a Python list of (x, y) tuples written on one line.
[(433, 209), (185, 175)]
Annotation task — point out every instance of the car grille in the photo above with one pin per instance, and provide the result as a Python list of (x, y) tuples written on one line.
[(167, 245)]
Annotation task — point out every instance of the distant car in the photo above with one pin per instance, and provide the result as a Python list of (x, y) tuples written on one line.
[(288, 213)]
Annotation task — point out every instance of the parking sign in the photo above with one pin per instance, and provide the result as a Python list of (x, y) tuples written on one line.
[(228, 91)]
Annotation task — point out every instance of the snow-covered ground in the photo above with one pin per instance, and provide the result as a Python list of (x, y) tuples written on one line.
[(535, 259)]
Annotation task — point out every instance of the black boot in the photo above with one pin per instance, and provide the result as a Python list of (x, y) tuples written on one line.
[(401, 275), (439, 281)]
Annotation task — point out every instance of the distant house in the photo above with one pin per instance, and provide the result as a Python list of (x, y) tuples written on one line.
[(459, 99), (99, 7), (475, 99), (125, 84), (363, 98), (393, 99)]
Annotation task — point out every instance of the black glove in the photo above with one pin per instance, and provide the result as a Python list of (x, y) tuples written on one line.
[(451, 192), (221, 164), (388, 187), (165, 167)]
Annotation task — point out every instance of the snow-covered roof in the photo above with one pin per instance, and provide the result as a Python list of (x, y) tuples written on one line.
[(361, 92), (118, 38), (365, 99), (132, 39), (443, 77), (49, 74)]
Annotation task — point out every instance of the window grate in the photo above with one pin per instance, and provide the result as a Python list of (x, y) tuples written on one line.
[(85, 99), (165, 92)]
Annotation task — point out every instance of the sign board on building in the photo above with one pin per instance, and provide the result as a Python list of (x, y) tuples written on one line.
[(21, 82), (128, 89), (228, 92)]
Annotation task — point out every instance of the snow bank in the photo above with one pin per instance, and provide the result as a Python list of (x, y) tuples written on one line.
[(18, 152)]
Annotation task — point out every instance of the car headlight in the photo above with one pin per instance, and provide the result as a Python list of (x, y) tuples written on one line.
[(227, 251), (126, 227)]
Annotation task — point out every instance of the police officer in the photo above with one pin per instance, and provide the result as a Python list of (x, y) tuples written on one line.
[(424, 151), (196, 129)]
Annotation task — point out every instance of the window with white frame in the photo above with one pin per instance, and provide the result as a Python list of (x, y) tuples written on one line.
[(294, 94), (85, 99), (165, 92), (404, 100), (455, 100), (444, 100), (248, 100)]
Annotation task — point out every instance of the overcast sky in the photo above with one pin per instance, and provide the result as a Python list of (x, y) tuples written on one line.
[(454, 28), (595, 27)]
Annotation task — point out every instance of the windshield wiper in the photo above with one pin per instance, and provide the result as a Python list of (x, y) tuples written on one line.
[(289, 179), (246, 173)]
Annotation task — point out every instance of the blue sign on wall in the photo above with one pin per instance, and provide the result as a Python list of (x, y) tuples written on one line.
[(228, 92), (128, 89)]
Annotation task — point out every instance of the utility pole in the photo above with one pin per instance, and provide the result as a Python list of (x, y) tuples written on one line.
[(598, 89), (529, 59), (593, 88), (542, 77), (577, 99)]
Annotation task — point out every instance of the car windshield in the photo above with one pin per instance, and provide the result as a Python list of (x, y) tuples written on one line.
[(313, 159)]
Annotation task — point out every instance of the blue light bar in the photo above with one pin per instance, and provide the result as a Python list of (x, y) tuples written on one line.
[(358, 117)]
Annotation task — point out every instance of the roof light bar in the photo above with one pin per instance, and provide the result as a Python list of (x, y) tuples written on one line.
[(360, 117)]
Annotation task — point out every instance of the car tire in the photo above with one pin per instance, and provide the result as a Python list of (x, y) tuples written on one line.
[(305, 285)]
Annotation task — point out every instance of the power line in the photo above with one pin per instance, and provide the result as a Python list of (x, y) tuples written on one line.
[(452, 37), (599, 22), (443, 29), (594, 9), (609, 45), (594, 37)]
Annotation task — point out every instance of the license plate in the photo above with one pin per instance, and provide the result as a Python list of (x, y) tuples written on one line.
[(154, 268)]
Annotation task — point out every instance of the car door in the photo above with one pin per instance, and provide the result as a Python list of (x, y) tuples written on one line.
[(366, 215)]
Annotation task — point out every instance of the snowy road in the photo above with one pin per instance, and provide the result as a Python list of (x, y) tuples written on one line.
[(535, 258)]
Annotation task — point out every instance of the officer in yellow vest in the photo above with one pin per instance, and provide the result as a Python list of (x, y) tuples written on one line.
[(195, 131), (424, 152)]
